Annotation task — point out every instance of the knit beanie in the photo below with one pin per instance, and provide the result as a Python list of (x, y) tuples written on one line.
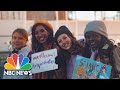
[(63, 30), (96, 26), (45, 23)]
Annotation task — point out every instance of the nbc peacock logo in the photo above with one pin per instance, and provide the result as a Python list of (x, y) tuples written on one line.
[(18, 64)]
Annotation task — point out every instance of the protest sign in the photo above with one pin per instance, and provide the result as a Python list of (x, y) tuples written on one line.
[(86, 68), (44, 61)]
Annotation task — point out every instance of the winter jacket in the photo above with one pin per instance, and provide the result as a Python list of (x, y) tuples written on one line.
[(116, 57), (111, 58), (25, 51), (66, 65)]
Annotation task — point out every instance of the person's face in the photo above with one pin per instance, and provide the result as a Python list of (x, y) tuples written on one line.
[(18, 41), (64, 41), (41, 34), (93, 39)]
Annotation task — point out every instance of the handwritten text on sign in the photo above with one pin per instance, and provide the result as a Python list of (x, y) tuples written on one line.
[(44, 61)]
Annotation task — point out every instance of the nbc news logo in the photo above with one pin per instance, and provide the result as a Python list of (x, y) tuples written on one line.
[(17, 65)]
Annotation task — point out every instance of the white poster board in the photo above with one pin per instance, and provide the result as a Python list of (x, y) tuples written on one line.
[(44, 61)]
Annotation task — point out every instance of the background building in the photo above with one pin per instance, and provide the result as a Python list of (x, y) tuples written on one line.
[(74, 20)]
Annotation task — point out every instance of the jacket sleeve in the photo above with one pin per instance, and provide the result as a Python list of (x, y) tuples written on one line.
[(116, 56)]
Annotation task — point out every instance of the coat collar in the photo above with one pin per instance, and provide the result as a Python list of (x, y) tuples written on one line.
[(25, 50)]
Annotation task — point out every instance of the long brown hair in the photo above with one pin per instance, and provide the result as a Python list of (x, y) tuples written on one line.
[(36, 46)]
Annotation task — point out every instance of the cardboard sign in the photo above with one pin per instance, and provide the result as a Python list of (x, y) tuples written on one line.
[(44, 61), (86, 68)]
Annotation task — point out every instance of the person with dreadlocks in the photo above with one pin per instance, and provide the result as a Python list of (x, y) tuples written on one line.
[(42, 39), (69, 48), (100, 48)]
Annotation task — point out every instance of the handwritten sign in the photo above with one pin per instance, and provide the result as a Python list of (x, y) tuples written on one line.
[(89, 69), (44, 61)]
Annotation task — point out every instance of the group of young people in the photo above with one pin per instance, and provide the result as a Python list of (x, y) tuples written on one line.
[(96, 46)]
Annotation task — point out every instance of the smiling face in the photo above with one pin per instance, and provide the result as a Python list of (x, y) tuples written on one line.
[(41, 34), (93, 39), (18, 41), (64, 41)]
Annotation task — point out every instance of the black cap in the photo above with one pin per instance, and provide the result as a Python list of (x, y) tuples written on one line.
[(63, 30)]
